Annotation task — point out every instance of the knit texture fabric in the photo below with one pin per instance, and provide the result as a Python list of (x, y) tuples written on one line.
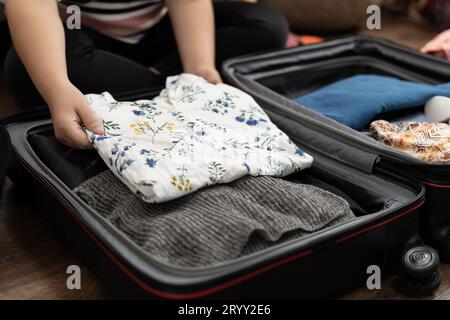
[(219, 223)]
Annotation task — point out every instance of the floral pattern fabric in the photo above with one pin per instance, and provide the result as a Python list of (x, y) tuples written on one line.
[(194, 134)]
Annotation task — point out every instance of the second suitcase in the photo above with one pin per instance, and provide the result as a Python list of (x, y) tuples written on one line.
[(276, 78)]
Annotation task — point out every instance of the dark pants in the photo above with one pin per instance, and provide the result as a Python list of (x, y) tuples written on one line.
[(98, 63)]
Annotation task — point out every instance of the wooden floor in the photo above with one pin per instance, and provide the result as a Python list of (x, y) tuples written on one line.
[(33, 260)]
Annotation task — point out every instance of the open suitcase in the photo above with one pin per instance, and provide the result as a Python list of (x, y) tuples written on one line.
[(276, 77), (385, 232)]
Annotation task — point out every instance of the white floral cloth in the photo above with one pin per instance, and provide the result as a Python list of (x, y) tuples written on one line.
[(194, 134)]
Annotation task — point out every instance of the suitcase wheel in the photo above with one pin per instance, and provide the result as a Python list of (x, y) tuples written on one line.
[(420, 266)]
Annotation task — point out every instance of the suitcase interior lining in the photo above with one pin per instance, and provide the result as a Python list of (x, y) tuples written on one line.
[(366, 194), (76, 166), (293, 82)]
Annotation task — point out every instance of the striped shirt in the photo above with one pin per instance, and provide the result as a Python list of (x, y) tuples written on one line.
[(124, 20)]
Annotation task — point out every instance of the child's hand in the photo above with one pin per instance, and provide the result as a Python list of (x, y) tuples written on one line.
[(209, 74), (69, 110), (439, 45)]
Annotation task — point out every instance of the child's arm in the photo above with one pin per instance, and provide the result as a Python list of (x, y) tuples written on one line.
[(38, 38), (193, 23)]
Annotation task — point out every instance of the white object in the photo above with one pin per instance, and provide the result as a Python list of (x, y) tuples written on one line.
[(194, 134), (437, 109)]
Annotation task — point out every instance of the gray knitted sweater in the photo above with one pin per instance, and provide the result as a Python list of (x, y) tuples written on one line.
[(219, 223)]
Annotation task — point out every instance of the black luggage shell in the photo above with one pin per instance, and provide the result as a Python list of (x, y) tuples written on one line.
[(319, 265), (275, 77)]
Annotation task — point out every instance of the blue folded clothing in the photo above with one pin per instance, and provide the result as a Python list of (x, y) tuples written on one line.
[(416, 117), (357, 100)]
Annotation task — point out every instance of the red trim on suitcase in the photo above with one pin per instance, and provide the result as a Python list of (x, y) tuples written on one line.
[(212, 290), (434, 185), (375, 226)]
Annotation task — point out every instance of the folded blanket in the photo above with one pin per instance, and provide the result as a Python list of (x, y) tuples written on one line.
[(425, 141), (194, 134), (357, 100), (219, 223)]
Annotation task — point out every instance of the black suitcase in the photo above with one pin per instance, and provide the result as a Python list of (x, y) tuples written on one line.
[(323, 264), (273, 78)]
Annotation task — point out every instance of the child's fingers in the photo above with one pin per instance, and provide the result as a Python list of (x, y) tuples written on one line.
[(77, 137), (71, 134), (89, 119)]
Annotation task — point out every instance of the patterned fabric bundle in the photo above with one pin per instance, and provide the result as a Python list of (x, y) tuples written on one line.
[(194, 134), (425, 141)]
